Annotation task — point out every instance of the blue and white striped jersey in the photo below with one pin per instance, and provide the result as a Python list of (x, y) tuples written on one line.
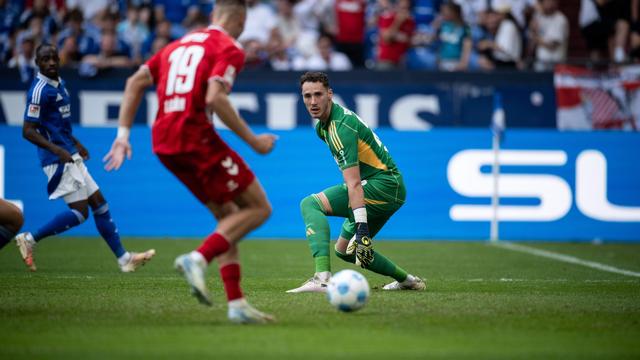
[(48, 105)]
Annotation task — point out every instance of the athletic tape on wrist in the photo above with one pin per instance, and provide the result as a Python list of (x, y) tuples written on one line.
[(360, 215), (123, 132)]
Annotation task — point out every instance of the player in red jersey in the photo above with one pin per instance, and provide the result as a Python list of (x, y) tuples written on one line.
[(193, 76)]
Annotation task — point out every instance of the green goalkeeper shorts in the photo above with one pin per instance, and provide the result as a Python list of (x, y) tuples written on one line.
[(383, 196)]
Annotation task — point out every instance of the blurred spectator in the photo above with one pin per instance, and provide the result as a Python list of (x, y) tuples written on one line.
[(162, 34), (91, 9), (549, 35), (108, 57), (455, 39), (635, 30), (286, 26), (504, 51), (279, 53), (473, 11), (350, 29), (24, 59), (133, 32), (425, 11), (9, 18), (87, 44), (35, 31), (158, 44), (181, 13), (255, 55), (315, 17), (605, 27), (325, 59), (521, 10), (68, 53), (396, 29), (145, 16), (48, 22), (261, 20)]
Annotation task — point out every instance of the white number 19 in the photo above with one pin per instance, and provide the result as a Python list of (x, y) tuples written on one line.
[(184, 63)]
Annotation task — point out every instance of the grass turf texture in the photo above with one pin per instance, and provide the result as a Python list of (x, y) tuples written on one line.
[(482, 302)]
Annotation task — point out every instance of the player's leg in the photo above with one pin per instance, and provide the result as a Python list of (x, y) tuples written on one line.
[(381, 205), (11, 221), (381, 264), (315, 208), (239, 310), (235, 219), (236, 198), (128, 261), (252, 210), (61, 222), (61, 183)]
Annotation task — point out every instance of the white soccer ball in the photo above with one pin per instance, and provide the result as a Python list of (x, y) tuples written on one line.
[(348, 290)]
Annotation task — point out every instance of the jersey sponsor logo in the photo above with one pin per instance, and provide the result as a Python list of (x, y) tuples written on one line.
[(232, 168), (65, 111), (34, 111)]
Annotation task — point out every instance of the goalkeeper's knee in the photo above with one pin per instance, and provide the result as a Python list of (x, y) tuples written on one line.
[(348, 258), (310, 205)]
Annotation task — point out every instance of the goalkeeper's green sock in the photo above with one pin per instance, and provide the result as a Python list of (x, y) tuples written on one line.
[(317, 228), (380, 265)]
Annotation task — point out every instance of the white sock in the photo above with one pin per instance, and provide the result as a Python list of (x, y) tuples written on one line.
[(323, 276), (197, 257), (237, 303), (124, 258)]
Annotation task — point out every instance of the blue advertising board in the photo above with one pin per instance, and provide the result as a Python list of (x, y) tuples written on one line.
[(554, 185), (397, 99)]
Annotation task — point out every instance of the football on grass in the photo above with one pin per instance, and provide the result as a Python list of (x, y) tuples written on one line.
[(348, 290)]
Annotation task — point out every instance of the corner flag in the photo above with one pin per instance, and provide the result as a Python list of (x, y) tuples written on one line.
[(497, 127)]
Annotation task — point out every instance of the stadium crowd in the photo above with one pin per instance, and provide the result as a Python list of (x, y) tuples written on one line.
[(322, 34)]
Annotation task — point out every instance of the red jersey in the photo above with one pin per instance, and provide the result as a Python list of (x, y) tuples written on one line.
[(182, 71), (395, 50), (350, 20)]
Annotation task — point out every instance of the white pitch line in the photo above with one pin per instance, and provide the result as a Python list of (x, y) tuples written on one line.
[(564, 258)]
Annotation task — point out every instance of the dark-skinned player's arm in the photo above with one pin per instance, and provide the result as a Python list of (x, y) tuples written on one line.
[(84, 153), (133, 92), (217, 101), (30, 132), (362, 242)]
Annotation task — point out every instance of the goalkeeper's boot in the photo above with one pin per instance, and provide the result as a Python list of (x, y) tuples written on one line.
[(318, 283), (25, 244), (240, 312), (410, 283), (136, 260), (193, 271)]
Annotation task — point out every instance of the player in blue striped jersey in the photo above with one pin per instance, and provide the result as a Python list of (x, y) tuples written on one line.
[(47, 124)]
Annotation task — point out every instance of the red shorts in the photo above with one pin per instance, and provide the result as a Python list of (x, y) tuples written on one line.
[(211, 174)]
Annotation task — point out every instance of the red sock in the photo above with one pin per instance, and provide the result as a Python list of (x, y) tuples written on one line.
[(214, 245), (230, 275)]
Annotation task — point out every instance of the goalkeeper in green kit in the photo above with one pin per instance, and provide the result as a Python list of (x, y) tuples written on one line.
[(373, 190)]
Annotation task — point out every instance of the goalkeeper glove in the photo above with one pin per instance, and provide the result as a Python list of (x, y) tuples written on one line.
[(362, 245)]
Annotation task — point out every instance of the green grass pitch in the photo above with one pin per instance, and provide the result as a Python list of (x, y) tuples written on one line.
[(482, 302)]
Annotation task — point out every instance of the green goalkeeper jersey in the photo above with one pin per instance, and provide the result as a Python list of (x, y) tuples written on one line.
[(353, 143)]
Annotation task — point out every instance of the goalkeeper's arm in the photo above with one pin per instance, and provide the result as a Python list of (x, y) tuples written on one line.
[(352, 179)]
